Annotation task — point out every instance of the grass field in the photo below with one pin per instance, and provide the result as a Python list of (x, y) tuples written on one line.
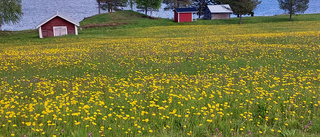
[(204, 78)]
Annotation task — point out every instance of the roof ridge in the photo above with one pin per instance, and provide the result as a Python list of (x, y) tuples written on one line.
[(61, 16), (222, 8), (192, 9)]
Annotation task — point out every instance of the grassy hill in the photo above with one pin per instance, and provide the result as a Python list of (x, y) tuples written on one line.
[(123, 21), (124, 18), (126, 74)]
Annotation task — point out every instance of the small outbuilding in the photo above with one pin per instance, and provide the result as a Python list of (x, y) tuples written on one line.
[(184, 14), (57, 25), (218, 12)]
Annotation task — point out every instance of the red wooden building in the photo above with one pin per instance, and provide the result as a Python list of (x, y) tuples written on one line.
[(184, 14), (57, 25)]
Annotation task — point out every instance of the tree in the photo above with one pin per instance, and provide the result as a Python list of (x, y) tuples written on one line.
[(110, 5), (201, 6), (222, 1), (243, 7), (148, 4), (99, 5), (240, 7), (131, 2), (10, 11), (171, 4), (294, 6)]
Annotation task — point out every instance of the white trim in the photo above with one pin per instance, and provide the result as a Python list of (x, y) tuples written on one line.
[(64, 27), (191, 17), (76, 29), (40, 33), (178, 17)]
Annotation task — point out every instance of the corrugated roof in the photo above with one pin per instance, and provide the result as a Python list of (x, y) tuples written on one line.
[(61, 16), (224, 8), (185, 9)]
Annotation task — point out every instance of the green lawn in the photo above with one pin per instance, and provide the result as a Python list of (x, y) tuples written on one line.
[(142, 76)]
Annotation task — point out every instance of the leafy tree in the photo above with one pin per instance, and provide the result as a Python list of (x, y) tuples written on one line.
[(131, 2), (294, 6), (200, 5), (10, 11), (222, 1), (243, 7), (171, 4), (99, 5), (111, 5), (240, 7), (148, 5)]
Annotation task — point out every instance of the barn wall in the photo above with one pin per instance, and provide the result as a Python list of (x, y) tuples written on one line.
[(185, 17), (47, 29), (220, 16)]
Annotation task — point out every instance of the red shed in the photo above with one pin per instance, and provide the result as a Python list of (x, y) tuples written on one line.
[(57, 25), (184, 14)]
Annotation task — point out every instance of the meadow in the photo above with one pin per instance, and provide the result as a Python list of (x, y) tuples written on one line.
[(191, 79)]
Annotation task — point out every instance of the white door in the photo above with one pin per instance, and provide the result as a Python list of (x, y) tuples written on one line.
[(60, 31)]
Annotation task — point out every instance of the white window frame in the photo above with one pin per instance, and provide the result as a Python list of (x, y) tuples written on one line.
[(64, 27)]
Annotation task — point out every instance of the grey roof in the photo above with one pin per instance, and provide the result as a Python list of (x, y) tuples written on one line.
[(61, 16), (224, 8)]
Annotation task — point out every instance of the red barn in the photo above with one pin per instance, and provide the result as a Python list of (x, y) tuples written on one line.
[(184, 14), (57, 25)]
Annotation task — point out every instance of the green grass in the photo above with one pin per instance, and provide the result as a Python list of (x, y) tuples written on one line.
[(137, 23), (155, 77), (134, 19)]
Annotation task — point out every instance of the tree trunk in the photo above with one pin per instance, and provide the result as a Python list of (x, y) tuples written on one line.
[(131, 4), (240, 22), (200, 11), (0, 27), (109, 7), (151, 13), (99, 7), (291, 10), (146, 11)]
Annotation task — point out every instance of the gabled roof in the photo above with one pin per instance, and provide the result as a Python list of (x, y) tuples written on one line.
[(179, 10), (61, 16), (224, 8)]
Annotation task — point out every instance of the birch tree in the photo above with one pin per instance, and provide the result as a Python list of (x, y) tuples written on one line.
[(10, 11)]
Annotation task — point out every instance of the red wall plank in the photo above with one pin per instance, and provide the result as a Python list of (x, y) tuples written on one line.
[(185, 17)]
